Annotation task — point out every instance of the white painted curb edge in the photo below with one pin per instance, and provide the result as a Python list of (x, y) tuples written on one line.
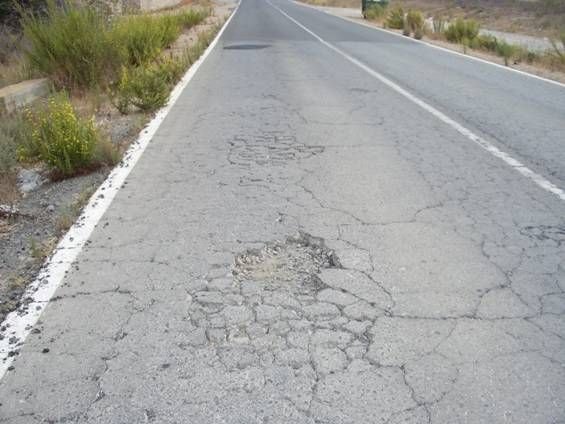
[(18, 324), (434, 46)]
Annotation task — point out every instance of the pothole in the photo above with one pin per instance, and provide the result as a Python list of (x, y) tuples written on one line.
[(291, 264), (269, 149)]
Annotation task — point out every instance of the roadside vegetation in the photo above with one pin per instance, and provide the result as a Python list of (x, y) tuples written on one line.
[(467, 34), (87, 54), (108, 75)]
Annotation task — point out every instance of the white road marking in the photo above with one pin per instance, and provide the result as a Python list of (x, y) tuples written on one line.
[(434, 46), (495, 151), (19, 324)]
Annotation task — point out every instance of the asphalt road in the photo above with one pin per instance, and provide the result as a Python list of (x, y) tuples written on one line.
[(300, 243)]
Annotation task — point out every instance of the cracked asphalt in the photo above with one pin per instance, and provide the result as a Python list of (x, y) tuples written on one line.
[(300, 244)]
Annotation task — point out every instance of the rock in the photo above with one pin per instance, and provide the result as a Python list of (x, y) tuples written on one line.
[(29, 180), (50, 208)]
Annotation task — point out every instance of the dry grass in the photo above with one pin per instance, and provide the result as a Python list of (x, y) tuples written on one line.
[(535, 17), (335, 3), (69, 215), (9, 193)]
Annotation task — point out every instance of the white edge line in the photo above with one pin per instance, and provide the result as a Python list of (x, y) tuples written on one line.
[(19, 323), (493, 150), (478, 59)]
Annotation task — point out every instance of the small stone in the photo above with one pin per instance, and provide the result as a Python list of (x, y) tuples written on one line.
[(50, 208), (45, 350), (29, 180)]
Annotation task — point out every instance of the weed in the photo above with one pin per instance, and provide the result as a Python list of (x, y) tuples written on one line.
[(505, 50), (9, 192), (414, 23), (375, 12), (461, 29), (60, 138), (144, 87), (69, 214), (438, 25), (395, 18), (557, 54), (189, 18), (39, 250), (70, 44), (142, 38), (13, 132), (79, 47), (484, 42)]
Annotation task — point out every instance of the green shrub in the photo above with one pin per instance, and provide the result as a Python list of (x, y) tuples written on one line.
[(484, 42), (141, 38), (375, 12), (70, 44), (79, 47), (438, 24), (61, 139), (506, 51), (189, 18), (172, 68), (395, 19), (144, 87), (460, 29), (415, 22)]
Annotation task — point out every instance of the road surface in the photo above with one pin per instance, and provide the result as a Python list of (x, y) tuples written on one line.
[(308, 239)]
